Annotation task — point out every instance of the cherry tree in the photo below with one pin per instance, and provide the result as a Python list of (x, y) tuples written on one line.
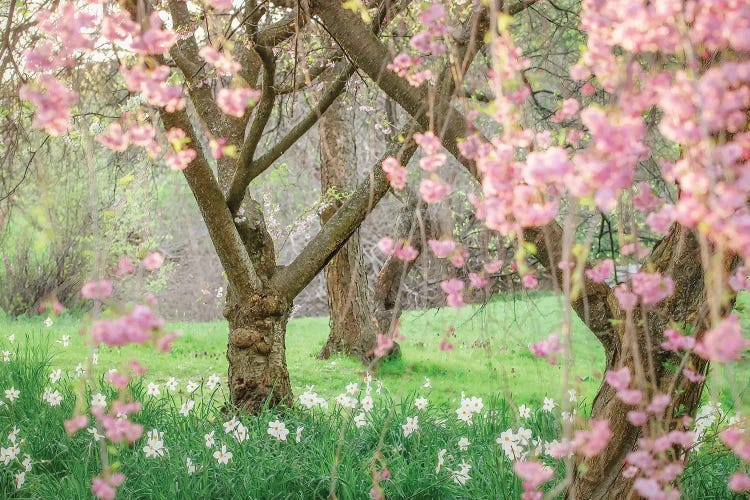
[(673, 71)]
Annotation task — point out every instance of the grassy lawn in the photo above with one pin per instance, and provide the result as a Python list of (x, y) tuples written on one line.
[(333, 453), (491, 357)]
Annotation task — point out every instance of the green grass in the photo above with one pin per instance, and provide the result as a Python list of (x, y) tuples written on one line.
[(490, 358), (332, 454)]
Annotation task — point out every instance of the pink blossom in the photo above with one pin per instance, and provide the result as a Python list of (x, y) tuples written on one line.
[(453, 289), (625, 297), (394, 172), (403, 63), (97, 290), (223, 63), (142, 135), (645, 200), (591, 443), (659, 404), (115, 139), (618, 379), (384, 345), (724, 342), (546, 348), (739, 482), (529, 281), (477, 280), (234, 102), (459, 257), (220, 4), (649, 488), (418, 78), (602, 271), (473, 147), (433, 16), (153, 261), (693, 376), (164, 342), (534, 474), (568, 109), (630, 396), (637, 418), (136, 367), (119, 381), (124, 266), (432, 162), (660, 220), (494, 266), (433, 191), (428, 141), (677, 342), (547, 167), (387, 245), (739, 280), (588, 89), (153, 40), (75, 424), (53, 101), (442, 248), (406, 252), (180, 160), (118, 27), (445, 346), (652, 287), (120, 430), (105, 488)]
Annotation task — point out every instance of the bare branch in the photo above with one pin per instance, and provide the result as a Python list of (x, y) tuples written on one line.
[(291, 279)]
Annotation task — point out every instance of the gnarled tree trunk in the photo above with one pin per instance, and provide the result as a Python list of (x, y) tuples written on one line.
[(636, 344), (256, 352), (352, 331)]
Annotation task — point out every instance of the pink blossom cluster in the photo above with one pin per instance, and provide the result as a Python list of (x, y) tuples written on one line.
[(655, 468), (53, 101), (433, 189), (447, 249), (105, 487), (222, 61), (234, 102), (533, 474), (137, 327), (602, 271), (428, 41), (395, 172), (152, 84), (724, 342), (547, 348), (401, 250), (453, 288), (407, 66)]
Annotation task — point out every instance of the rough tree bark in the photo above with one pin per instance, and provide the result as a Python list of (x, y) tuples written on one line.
[(636, 344), (352, 331)]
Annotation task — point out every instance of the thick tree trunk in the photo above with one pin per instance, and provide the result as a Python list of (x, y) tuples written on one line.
[(677, 255), (352, 331), (256, 352)]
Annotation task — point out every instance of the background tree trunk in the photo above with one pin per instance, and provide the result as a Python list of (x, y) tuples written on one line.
[(387, 305), (352, 331)]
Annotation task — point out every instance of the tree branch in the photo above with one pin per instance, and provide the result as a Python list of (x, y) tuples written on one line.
[(218, 219), (292, 279), (241, 178), (337, 87)]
